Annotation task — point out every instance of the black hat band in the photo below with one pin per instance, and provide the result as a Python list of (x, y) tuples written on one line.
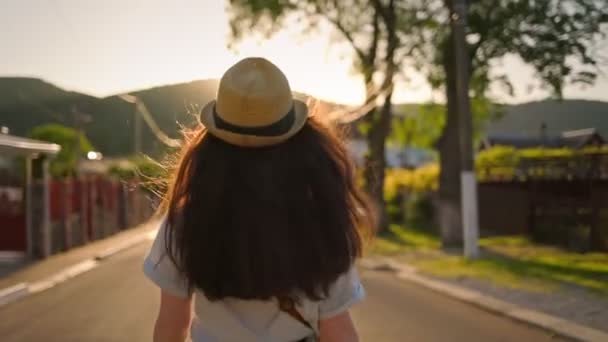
[(277, 128)]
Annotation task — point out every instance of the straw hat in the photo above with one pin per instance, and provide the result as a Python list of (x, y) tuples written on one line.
[(254, 106)]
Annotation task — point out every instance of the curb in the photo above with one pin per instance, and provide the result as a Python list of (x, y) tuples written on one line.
[(557, 325), (109, 252), (62, 276), (13, 293), (21, 290)]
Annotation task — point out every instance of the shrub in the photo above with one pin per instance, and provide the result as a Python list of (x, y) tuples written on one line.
[(74, 145), (419, 210), (407, 194)]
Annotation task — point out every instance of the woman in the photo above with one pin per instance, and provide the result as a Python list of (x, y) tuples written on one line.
[(262, 222)]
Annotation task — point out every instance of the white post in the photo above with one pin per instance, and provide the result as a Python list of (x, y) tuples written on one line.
[(29, 209), (470, 218), (46, 208)]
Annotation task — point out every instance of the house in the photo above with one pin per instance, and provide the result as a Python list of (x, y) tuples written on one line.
[(583, 138), (574, 139), (24, 195)]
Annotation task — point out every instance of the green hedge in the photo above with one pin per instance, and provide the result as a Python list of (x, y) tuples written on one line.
[(495, 163), (500, 161)]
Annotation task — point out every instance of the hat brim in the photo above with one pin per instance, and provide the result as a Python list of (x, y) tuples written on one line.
[(245, 140)]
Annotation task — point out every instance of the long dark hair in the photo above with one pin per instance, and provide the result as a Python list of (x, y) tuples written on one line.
[(256, 223)]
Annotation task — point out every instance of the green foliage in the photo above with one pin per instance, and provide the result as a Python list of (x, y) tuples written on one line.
[(498, 155), (73, 146), (150, 174), (501, 160), (512, 261), (421, 125), (422, 179), (122, 172), (419, 211), (557, 38), (399, 239), (418, 126), (408, 195), (517, 262), (140, 167)]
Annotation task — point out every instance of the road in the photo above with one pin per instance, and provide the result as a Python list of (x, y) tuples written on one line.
[(114, 303)]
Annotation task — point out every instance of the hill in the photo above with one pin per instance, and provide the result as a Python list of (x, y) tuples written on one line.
[(558, 116), (27, 102)]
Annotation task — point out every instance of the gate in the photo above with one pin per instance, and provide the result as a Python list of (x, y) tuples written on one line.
[(13, 231)]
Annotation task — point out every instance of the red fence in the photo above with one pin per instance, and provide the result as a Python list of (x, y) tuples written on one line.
[(12, 218), (94, 207)]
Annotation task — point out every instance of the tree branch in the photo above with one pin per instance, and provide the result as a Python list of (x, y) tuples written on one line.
[(348, 36)]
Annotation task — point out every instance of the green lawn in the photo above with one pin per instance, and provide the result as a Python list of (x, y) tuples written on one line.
[(398, 240), (513, 262)]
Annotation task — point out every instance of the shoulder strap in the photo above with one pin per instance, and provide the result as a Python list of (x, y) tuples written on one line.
[(287, 305)]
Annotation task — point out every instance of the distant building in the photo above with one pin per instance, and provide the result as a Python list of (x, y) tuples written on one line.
[(569, 139), (396, 157)]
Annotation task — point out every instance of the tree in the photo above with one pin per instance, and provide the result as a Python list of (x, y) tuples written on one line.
[(73, 146), (420, 126), (556, 37), (374, 29)]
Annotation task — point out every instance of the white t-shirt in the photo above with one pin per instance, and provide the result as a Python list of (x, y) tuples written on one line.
[(237, 320)]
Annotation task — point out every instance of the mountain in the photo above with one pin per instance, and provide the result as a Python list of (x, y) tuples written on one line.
[(558, 116), (27, 102)]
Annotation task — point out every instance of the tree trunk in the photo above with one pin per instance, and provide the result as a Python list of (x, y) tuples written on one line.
[(450, 220), (380, 120), (375, 162)]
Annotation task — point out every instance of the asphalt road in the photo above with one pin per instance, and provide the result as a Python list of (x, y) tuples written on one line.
[(114, 302)]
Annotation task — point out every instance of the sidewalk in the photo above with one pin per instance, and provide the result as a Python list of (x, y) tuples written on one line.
[(35, 271), (565, 327)]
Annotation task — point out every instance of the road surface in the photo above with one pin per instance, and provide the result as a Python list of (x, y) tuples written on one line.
[(115, 303)]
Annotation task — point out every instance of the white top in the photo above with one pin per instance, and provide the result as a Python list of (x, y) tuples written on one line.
[(239, 320)]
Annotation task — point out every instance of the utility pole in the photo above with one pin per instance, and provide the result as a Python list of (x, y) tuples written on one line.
[(468, 185), (137, 131), (79, 119)]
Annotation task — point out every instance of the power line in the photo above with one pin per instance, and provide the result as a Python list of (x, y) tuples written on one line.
[(350, 115), (141, 109)]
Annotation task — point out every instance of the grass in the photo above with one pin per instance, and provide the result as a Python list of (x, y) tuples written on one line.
[(398, 240), (513, 262)]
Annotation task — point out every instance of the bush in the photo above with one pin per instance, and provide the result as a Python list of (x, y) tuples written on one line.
[(423, 179), (419, 210), (408, 194), (74, 145), (146, 172)]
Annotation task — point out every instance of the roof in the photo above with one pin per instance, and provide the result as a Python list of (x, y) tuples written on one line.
[(583, 137), (570, 139), (522, 141), (22, 146), (580, 133)]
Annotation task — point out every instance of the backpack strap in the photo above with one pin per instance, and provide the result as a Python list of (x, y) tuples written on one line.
[(287, 305)]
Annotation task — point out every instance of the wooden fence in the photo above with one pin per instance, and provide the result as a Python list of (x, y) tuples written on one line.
[(93, 207)]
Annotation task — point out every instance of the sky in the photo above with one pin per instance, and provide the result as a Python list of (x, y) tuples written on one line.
[(112, 46)]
